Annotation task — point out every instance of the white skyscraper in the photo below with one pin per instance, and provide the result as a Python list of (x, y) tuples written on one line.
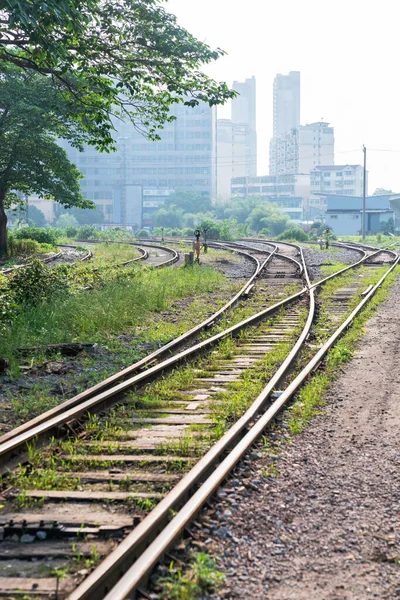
[(286, 102)]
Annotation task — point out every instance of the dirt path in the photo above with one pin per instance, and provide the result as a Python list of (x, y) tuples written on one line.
[(328, 527)]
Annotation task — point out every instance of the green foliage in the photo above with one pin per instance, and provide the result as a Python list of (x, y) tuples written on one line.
[(119, 301), (66, 220), (316, 230), (169, 217), (8, 308), (382, 192), (23, 247), (142, 233), (387, 226), (43, 236), (36, 283), (155, 63), (201, 577), (71, 232), (31, 160), (36, 217), (294, 233), (83, 216), (189, 202), (88, 232)]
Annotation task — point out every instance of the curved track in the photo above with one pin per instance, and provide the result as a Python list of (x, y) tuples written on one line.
[(164, 426)]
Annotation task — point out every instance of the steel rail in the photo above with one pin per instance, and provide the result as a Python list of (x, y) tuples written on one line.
[(9, 448), (98, 583), (142, 567), (277, 254), (139, 365), (174, 259), (45, 260), (87, 256)]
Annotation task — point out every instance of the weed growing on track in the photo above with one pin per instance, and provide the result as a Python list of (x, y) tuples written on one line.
[(312, 396), (201, 576)]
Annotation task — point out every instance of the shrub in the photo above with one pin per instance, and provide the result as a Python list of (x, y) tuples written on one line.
[(36, 282), (264, 231), (71, 232), (43, 236), (7, 309), (88, 232), (17, 247), (142, 233), (294, 233)]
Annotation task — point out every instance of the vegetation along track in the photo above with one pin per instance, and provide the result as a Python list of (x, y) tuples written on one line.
[(162, 429)]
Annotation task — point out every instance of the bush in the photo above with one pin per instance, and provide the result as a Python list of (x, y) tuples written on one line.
[(24, 247), (264, 231), (142, 233), (294, 233), (43, 236), (71, 232), (88, 232), (66, 220), (7, 309), (36, 282)]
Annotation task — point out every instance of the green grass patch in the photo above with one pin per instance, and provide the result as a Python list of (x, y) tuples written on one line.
[(97, 314), (112, 254)]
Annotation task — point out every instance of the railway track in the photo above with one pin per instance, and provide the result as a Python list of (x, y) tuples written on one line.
[(140, 456)]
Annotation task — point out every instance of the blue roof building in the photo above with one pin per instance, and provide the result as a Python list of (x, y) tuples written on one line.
[(344, 213)]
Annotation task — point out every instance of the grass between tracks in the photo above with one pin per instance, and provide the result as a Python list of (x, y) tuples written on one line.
[(312, 396), (96, 315), (112, 254), (126, 319)]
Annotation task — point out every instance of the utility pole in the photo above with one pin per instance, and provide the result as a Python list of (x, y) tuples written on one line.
[(364, 190)]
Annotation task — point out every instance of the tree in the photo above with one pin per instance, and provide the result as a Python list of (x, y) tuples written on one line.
[(31, 162), (268, 216), (382, 192), (36, 216), (171, 217), (91, 216), (66, 220), (117, 59), (387, 226), (189, 202)]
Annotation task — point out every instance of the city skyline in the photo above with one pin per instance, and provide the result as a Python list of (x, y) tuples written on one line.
[(357, 98)]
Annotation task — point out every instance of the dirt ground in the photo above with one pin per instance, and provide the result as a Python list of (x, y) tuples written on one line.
[(328, 526)]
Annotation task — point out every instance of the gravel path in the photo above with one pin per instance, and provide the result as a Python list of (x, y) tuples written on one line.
[(328, 527)]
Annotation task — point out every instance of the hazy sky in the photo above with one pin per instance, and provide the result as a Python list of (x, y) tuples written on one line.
[(347, 52)]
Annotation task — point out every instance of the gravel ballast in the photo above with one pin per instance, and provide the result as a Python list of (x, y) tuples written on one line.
[(326, 526)]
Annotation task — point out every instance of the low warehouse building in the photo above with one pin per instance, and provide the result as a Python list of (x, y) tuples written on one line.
[(344, 213)]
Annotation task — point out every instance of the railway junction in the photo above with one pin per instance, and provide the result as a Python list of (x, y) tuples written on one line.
[(261, 441)]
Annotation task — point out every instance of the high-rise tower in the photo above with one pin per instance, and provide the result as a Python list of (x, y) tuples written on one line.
[(286, 102), (244, 114)]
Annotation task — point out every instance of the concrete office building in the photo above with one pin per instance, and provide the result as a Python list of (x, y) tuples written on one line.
[(345, 180), (132, 183), (302, 149), (289, 192), (286, 102), (231, 155)]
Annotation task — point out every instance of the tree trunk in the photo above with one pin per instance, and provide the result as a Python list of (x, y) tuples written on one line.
[(3, 226)]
